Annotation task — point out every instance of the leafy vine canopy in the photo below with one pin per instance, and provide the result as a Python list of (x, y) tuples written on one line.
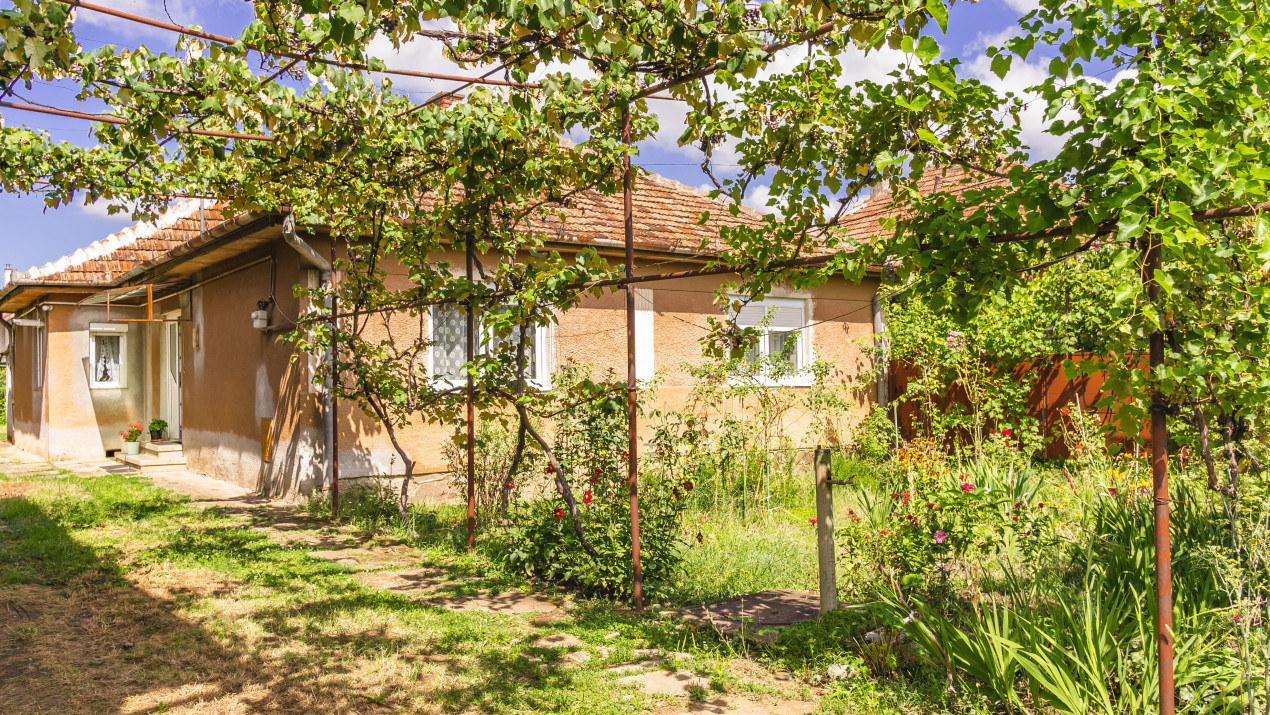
[(1171, 152)]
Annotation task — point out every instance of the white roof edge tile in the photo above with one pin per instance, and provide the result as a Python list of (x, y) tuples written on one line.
[(115, 241)]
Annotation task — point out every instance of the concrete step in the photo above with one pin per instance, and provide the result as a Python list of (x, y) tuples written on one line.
[(150, 463), (162, 447)]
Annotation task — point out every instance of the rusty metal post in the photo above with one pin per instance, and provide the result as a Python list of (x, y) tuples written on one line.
[(334, 379), (632, 390), (1160, 489), (471, 409), (824, 531)]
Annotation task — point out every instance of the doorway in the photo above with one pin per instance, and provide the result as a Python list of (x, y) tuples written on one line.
[(170, 381)]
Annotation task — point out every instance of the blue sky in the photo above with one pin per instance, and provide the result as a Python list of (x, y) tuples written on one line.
[(32, 235)]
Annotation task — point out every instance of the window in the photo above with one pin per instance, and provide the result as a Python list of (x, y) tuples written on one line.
[(782, 343), (37, 356), (449, 347), (107, 352)]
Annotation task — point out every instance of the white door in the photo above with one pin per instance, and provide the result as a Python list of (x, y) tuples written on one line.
[(170, 382)]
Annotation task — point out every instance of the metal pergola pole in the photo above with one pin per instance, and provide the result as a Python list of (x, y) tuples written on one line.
[(1160, 489), (471, 409), (632, 390), (335, 423)]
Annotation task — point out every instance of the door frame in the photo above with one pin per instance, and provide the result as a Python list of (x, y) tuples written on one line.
[(170, 374)]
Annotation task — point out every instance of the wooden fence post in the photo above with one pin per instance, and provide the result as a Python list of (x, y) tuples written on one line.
[(824, 532)]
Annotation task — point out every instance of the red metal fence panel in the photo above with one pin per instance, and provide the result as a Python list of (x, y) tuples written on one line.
[(1051, 391)]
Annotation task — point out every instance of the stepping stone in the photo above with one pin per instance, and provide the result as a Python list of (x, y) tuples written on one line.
[(505, 602), (407, 582), (757, 615), (576, 657), (675, 683), (743, 706), (559, 640), (348, 557), (636, 667)]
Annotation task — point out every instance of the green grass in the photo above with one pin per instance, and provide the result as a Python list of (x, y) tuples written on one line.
[(144, 602), (738, 556)]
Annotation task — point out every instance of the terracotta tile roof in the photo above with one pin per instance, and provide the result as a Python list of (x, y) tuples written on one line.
[(107, 259), (864, 222), (665, 211), (665, 214)]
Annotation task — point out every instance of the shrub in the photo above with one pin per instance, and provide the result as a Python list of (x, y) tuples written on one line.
[(591, 448), (495, 451)]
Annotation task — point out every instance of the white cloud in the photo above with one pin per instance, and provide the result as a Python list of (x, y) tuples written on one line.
[(1023, 6), (180, 12), (100, 210), (757, 198), (984, 40), (1033, 125)]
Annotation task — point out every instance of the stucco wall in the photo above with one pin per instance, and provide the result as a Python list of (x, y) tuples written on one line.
[(67, 418), (595, 334), (243, 387), (26, 417), (235, 376)]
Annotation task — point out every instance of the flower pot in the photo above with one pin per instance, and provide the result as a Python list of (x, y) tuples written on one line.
[(156, 435), (132, 448)]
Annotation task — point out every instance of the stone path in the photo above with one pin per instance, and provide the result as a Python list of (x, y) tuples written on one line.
[(757, 615), (395, 569)]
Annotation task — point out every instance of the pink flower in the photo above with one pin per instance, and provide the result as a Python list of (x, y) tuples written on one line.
[(967, 487), (811, 520), (941, 536)]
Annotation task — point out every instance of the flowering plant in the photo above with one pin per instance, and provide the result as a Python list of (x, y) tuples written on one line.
[(132, 434)]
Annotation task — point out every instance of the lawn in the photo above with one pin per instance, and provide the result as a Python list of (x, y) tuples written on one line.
[(116, 596)]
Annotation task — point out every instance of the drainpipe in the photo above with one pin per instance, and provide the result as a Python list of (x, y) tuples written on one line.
[(315, 259)]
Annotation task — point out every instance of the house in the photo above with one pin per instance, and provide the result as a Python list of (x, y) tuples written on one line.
[(157, 321)]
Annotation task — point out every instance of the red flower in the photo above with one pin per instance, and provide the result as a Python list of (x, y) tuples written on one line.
[(967, 487), (688, 486), (1017, 505), (625, 453), (1015, 517), (1040, 505), (883, 532), (558, 513), (599, 471), (586, 497), (1006, 433), (511, 483), (551, 469), (1066, 411), (811, 520), (930, 505), (1111, 491)]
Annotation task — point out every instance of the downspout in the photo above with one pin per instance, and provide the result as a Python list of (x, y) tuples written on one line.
[(315, 259)]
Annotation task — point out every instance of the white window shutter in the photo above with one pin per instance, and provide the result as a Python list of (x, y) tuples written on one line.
[(645, 344)]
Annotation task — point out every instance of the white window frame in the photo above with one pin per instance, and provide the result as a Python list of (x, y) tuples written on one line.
[(803, 376), (541, 377), (38, 350), (104, 329)]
